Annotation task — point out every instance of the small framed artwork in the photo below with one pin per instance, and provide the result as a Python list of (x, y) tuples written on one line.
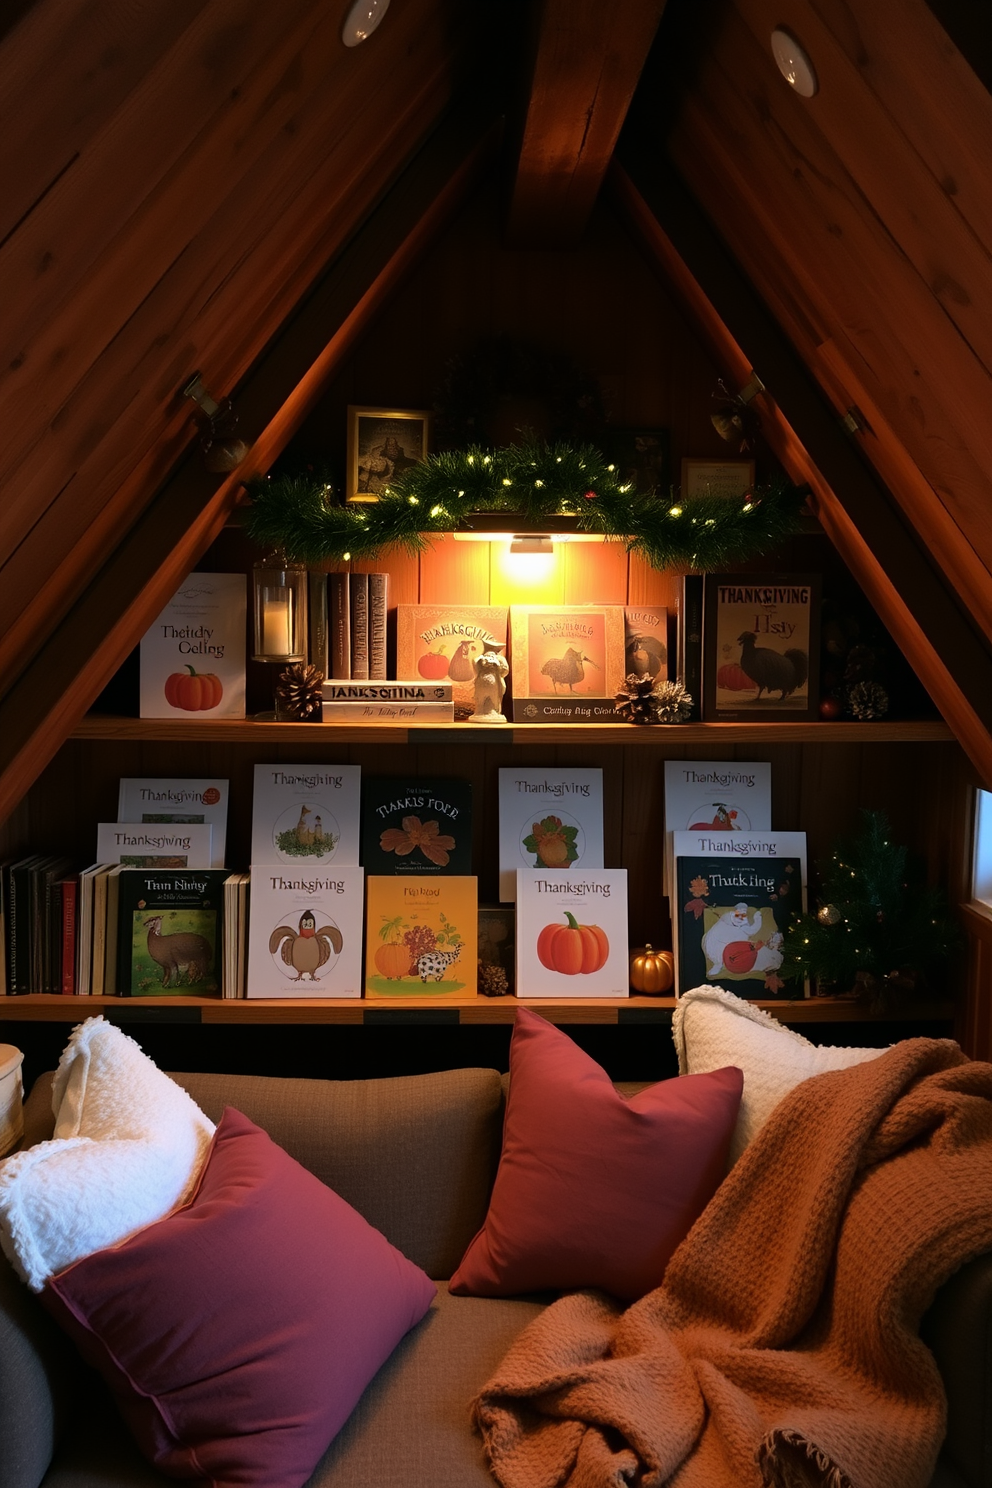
[(717, 477), (382, 444), (641, 458)]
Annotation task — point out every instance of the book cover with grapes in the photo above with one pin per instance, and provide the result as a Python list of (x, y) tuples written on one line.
[(550, 819), (421, 936)]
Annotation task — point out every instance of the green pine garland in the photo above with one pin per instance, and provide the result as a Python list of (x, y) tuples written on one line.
[(535, 483), (888, 926)]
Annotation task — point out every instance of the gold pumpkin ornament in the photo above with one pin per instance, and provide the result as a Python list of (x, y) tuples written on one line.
[(652, 972)]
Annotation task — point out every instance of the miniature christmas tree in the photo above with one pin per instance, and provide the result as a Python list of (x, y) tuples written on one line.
[(879, 927)]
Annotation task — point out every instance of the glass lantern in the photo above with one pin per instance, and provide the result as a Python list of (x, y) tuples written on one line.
[(280, 596)]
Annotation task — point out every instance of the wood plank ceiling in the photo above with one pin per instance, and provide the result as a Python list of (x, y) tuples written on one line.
[(181, 178)]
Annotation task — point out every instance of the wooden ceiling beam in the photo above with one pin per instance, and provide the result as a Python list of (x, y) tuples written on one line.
[(131, 587), (895, 567), (587, 59)]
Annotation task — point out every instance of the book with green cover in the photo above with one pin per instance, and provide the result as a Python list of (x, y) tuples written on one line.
[(170, 932)]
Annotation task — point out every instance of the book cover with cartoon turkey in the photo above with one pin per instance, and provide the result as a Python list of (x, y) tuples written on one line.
[(551, 819), (761, 647), (440, 643), (734, 897), (416, 826), (566, 662), (305, 930)]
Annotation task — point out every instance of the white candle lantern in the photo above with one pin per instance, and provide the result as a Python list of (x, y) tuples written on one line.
[(280, 595)]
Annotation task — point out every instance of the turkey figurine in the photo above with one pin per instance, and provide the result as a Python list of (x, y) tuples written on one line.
[(307, 948)]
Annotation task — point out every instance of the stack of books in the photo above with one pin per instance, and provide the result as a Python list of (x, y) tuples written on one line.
[(387, 702)]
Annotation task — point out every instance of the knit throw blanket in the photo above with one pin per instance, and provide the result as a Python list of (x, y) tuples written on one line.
[(782, 1347)]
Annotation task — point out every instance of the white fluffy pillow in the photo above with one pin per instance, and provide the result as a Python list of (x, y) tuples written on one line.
[(128, 1148), (713, 1028)]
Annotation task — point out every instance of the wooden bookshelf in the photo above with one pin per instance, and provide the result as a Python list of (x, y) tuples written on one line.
[(443, 1010)]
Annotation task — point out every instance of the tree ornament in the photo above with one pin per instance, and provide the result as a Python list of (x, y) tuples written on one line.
[(492, 980), (828, 914), (868, 700), (298, 693)]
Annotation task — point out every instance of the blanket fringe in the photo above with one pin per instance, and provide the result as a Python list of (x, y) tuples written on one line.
[(788, 1460)]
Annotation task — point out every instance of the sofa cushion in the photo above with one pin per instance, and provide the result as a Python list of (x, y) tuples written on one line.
[(593, 1190), (238, 1333), (128, 1146), (712, 1028), (415, 1154)]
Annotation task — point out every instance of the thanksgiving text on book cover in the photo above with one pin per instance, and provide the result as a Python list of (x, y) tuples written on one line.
[(305, 814), (572, 933), (305, 931), (733, 904), (715, 795), (441, 643), (761, 646), (549, 819)]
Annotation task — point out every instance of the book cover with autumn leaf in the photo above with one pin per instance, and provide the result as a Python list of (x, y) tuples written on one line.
[(735, 896), (421, 936), (550, 819), (413, 826)]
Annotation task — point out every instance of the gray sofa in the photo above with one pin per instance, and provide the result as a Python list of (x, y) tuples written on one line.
[(416, 1156)]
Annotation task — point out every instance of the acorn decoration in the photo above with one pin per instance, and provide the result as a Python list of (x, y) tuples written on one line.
[(298, 693)]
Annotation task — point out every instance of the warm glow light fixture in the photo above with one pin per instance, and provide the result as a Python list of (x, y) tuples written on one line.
[(472, 535), (528, 543), (361, 20), (793, 63)]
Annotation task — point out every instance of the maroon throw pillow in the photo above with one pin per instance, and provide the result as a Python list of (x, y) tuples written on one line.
[(593, 1190), (238, 1333)]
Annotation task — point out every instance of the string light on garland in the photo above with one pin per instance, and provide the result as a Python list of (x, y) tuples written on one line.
[(536, 483)]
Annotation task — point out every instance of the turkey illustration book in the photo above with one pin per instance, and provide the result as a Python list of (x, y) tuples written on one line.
[(440, 643), (714, 795), (761, 647), (566, 662), (421, 936), (304, 931), (735, 896), (170, 932)]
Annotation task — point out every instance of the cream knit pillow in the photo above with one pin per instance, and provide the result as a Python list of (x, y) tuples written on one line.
[(712, 1028)]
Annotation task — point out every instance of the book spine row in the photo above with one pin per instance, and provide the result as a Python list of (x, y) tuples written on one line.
[(357, 607)]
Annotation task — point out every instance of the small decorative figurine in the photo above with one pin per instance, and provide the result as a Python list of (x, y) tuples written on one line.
[(491, 669)]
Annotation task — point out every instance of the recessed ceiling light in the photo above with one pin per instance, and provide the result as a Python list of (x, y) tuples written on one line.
[(793, 63), (361, 20)]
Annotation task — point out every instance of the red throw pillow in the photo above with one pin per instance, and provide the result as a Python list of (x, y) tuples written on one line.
[(594, 1190), (238, 1333)]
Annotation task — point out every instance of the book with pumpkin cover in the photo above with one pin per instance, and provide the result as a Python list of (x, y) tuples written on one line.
[(192, 658), (566, 662), (714, 796), (413, 826), (572, 933), (171, 799), (735, 896), (550, 819), (421, 936), (170, 932), (440, 643), (305, 931)]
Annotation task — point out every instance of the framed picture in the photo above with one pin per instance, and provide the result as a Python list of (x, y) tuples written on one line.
[(382, 443), (761, 647), (641, 457), (717, 477)]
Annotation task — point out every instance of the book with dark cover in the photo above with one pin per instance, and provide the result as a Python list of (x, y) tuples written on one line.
[(170, 932), (378, 611), (690, 642), (17, 910), (46, 928), (761, 647), (359, 587), (68, 897), (339, 624), (317, 620), (413, 825), (730, 913)]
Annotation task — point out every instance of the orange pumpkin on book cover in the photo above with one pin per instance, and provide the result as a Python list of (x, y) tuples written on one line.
[(572, 948), (193, 691)]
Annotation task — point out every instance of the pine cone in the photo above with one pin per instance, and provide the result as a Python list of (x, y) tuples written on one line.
[(298, 693), (635, 700), (492, 981), (868, 700), (672, 703)]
